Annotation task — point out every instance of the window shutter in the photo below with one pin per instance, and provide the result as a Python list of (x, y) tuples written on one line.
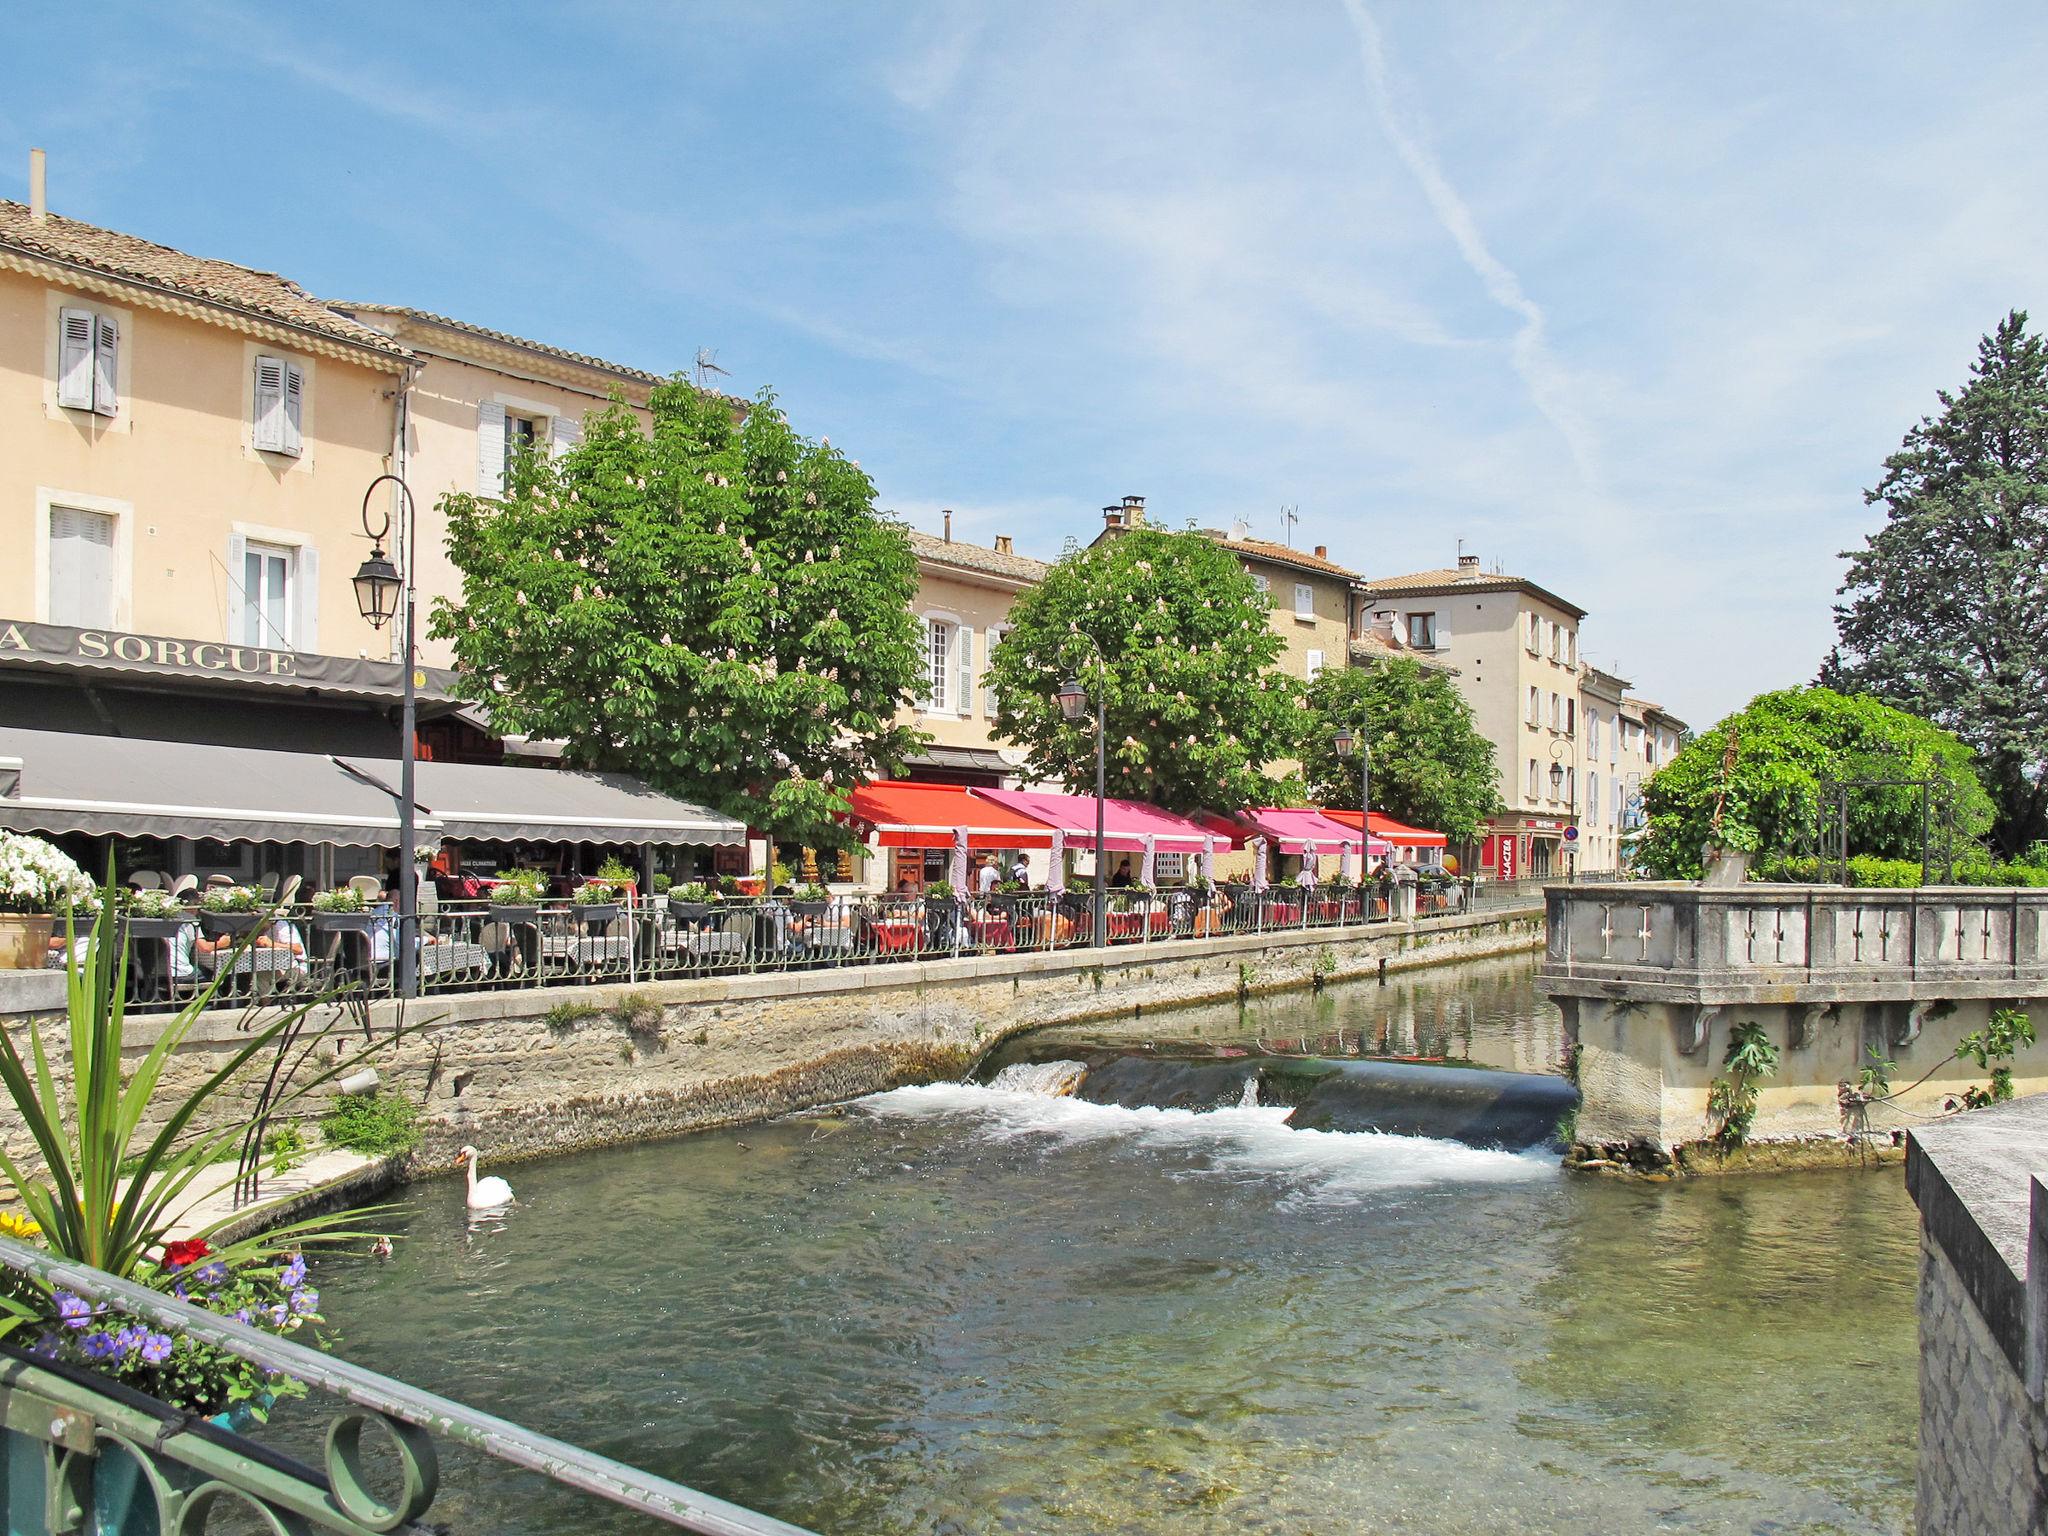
[(306, 600), (924, 673), (238, 603), (294, 400), (1443, 629), (989, 702), (1314, 668), (963, 665), (490, 448), (75, 359), (267, 418), (106, 398), (564, 433), (1304, 600)]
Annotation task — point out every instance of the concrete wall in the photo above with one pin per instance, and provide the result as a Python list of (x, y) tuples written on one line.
[(533, 1072)]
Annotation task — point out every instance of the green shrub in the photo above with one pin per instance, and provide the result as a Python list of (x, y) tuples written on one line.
[(374, 1124)]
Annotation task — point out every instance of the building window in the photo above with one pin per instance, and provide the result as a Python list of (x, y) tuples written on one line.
[(1535, 635), (1262, 584), (1593, 795), (81, 568), (1169, 868), (1314, 667), (1571, 786), (88, 347), (1422, 631), (1304, 600), (279, 406), (938, 663), (267, 579), (1556, 713), (1535, 706), (1532, 779), (988, 656), (1571, 716), (1570, 644), (1593, 733), (523, 434)]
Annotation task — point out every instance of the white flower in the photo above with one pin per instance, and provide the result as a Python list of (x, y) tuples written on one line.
[(810, 498), (782, 477), (35, 875)]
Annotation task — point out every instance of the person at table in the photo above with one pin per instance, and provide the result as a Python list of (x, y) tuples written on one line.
[(1122, 878), (987, 876)]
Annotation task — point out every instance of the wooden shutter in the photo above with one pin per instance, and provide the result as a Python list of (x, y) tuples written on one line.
[(81, 568), (75, 358), (294, 401), (106, 375), (564, 433), (1443, 629), (490, 448), (238, 552), (991, 638), (963, 671), (306, 599), (267, 417)]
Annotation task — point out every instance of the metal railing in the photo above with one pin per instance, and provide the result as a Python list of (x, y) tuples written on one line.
[(299, 955), (189, 1465)]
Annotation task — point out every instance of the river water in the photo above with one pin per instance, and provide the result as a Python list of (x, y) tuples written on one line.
[(949, 1309)]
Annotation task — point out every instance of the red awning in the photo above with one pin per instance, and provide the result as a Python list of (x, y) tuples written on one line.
[(927, 816), (1396, 832)]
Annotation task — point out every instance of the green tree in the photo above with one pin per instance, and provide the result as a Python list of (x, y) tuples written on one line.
[(1787, 742), (1946, 606), (1430, 766), (713, 605), (1194, 709)]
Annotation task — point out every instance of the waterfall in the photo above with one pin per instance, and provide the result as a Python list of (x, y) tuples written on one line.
[(1049, 1079), (1249, 1099)]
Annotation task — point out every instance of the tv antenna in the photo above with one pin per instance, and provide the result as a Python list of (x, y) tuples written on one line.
[(707, 365), (1289, 516)]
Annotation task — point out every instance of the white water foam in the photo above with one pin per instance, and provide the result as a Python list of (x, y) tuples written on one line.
[(1316, 1167), (1054, 1079)]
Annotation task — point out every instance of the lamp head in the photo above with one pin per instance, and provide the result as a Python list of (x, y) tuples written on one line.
[(1344, 742), (1073, 698), (377, 582)]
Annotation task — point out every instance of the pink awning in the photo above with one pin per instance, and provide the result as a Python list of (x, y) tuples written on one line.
[(1288, 828), (1125, 823), (1393, 831)]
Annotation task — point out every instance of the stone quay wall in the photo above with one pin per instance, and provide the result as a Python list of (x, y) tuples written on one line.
[(1983, 1320), (526, 1073)]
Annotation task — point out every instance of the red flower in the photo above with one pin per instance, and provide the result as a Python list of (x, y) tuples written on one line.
[(189, 1251)]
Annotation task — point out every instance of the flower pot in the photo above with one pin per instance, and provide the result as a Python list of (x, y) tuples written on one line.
[(345, 922), (524, 913), (154, 929), (810, 908), (224, 925), (25, 940), (687, 913), (596, 912)]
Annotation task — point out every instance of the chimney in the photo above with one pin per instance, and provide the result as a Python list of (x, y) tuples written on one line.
[(1322, 551), (949, 525), (1468, 565), (1383, 625), (38, 187), (1113, 516), (1134, 511), (1003, 545)]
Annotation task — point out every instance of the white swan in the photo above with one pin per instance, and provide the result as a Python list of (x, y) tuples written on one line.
[(483, 1193)]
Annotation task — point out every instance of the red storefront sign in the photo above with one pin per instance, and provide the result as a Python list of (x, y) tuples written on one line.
[(1501, 848)]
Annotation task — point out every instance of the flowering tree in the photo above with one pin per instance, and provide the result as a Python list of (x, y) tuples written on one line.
[(714, 606), (1194, 709), (1431, 767)]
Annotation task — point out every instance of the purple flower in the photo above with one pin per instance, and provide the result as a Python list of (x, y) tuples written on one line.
[(215, 1274), (44, 1348), (305, 1301), (243, 1315), (180, 1292), (73, 1311), (102, 1346), (156, 1348), (277, 1314), (130, 1337), (294, 1274)]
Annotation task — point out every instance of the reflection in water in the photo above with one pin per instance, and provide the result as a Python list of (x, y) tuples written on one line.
[(955, 1309)]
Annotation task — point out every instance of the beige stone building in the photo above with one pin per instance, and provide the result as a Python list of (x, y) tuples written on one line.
[(187, 444), (1514, 648), (1601, 776)]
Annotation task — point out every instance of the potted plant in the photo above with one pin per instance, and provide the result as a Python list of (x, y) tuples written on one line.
[(595, 902), (342, 910), (663, 884), (810, 900), (232, 911), (155, 915), (687, 904), (941, 893), (34, 877), (1004, 898), (516, 896), (617, 873)]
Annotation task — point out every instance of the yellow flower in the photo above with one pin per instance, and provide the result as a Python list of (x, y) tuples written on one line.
[(16, 1225)]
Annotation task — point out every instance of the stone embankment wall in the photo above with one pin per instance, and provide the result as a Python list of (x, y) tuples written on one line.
[(526, 1073), (1983, 1322)]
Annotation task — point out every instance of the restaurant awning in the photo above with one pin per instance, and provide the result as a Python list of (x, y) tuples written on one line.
[(504, 804), (1398, 833), (927, 816), (123, 786), (1126, 823), (1288, 828)]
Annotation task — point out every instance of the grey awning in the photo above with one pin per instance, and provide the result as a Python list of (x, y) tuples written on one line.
[(117, 785), (961, 760), (479, 800)]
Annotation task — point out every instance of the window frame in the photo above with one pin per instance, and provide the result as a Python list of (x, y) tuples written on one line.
[(1426, 631), (286, 558), (1304, 602)]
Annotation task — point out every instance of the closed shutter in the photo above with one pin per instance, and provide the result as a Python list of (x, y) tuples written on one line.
[(1443, 629), (75, 358), (267, 416), (306, 600), (238, 600), (106, 375), (564, 433), (989, 702), (490, 448), (294, 403), (963, 665), (1304, 600), (1314, 668), (81, 568)]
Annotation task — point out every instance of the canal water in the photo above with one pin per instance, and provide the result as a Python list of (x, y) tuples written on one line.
[(953, 1309)]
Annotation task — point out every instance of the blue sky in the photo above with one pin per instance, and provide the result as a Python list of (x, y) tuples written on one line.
[(1632, 299)]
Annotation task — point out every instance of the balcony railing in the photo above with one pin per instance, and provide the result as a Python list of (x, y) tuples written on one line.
[(93, 1455), (481, 946)]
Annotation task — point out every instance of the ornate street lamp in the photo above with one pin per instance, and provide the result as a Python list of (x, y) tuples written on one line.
[(1073, 699), (380, 591)]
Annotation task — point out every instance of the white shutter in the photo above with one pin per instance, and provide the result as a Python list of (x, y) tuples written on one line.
[(963, 667), (564, 433), (81, 568), (990, 639), (1443, 629), (75, 358), (267, 416), (106, 376), (294, 402), (238, 553), (1314, 668), (306, 600), (924, 673), (490, 448)]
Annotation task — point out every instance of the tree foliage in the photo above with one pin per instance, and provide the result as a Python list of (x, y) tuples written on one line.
[(714, 606), (1430, 765), (1945, 609), (1194, 709), (1787, 743)]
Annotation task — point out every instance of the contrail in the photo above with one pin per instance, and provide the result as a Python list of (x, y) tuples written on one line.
[(1547, 384)]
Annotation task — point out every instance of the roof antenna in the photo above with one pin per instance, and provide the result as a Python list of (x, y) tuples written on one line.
[(707, 365), (1461, 551), (1288, 518)]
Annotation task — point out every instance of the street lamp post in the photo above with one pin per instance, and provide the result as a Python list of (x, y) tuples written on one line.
[(1073, 699), (1343, 743), (380, 590)]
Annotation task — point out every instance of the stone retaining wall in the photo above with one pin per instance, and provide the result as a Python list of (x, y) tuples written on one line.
[(528, 1073)]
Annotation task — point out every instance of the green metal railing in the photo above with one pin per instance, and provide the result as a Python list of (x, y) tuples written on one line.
[(170, 1471)]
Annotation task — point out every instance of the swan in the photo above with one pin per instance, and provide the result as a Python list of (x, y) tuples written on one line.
[(483, 1193)]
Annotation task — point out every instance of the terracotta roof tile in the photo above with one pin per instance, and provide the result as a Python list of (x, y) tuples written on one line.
[(974, 557), (1372, 646), (1430, 582), (1280, 554), (428, 317), (222, 283)]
